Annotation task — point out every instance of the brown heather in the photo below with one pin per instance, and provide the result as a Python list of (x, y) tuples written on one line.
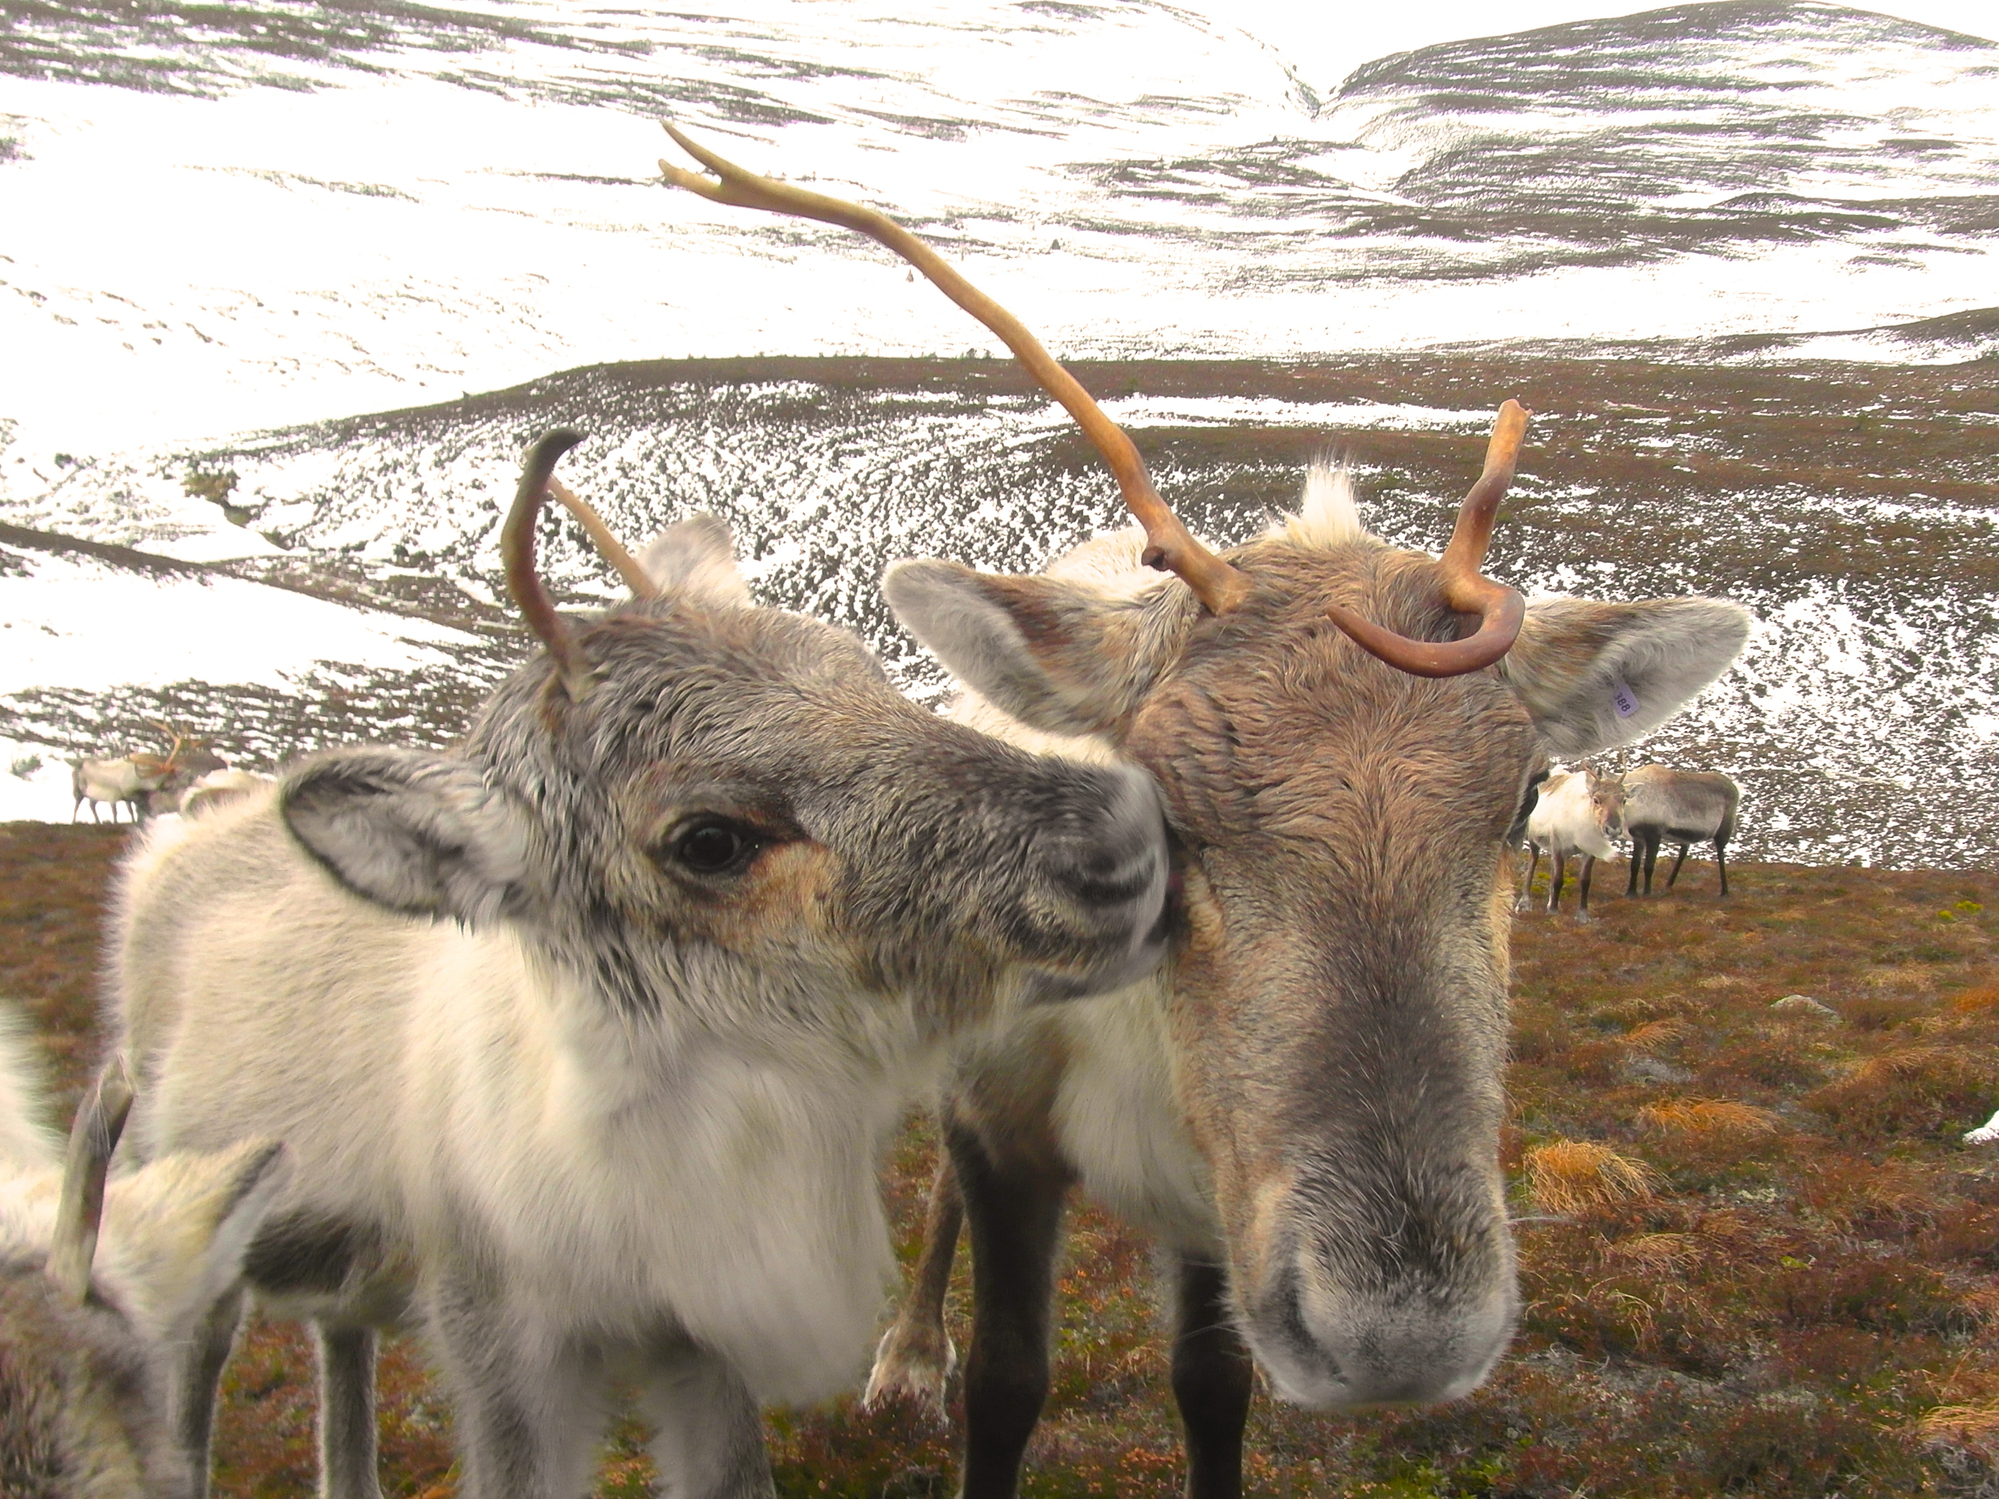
[(1804, 1309)]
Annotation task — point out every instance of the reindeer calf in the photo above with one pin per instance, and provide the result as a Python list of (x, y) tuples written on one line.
[(587, 1038)]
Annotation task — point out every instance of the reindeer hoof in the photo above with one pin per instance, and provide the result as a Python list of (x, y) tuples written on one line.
[(911, 1368)]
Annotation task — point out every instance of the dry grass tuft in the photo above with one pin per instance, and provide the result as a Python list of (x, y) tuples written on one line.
[(1658, 1253), (1571, 1176), (1709, 1116), (1976, 1001), (1975, 1427), (1656, 1035)]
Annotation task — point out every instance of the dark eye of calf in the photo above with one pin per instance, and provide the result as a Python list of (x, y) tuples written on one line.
[(711, 846)]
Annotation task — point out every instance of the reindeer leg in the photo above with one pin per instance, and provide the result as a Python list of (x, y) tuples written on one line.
[(1637, 858), (192, 1378), (528, 1402), (1526, 900), (348, 1464), (1212, 1378), (1651, 859), (916, 1358), (1589, 868), (708, 1440), (1013, 1204), (1558, 864), (1721, 862), (1676, 865)]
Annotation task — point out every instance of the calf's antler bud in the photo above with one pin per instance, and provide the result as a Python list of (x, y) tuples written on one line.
[(517, 553)]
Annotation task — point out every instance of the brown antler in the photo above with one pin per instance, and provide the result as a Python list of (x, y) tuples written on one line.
[(1500, 609), (613, 549), (1169, 545), (517, 552)]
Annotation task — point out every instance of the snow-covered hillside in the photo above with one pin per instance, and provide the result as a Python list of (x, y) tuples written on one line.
[(227, 228)]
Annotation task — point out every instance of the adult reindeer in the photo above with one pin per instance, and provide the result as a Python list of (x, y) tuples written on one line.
[(1678, 806), (1577, 812), (586, 1038), (1306, 1107)]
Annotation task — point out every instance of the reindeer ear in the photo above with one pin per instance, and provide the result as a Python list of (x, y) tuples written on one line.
[(417, 833), (1060, 656), (176, 1231), (697, 557), (1594, 675)]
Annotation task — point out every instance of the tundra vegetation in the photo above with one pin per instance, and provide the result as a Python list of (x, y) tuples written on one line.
[(1755, 1256)]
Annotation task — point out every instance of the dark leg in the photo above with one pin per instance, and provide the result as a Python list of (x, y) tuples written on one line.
[(1651, 859), (1721, 862), (916, 1358), (1676, 865), (1558, 864), (1014, 1208), (192, 1378), (1212, 1378), (1637, 858), (1527, 890), (1589, 868)]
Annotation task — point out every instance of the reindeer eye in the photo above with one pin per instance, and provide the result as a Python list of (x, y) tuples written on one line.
[(712, 845)]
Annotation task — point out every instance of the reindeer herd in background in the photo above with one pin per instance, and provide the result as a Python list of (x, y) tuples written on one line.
[(578, 1047), (1579, 812)]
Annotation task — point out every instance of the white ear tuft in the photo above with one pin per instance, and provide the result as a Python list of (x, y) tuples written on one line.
[(697, 557), (1328, 514)]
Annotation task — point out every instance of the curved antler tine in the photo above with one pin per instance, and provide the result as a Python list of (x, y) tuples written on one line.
[(517, 552), (1501, 610), (612, 549), (99, 1122), (1473, 532), (1169, 545)]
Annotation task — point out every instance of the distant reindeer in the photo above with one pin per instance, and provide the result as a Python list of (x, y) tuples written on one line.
[(1577, 812), (86, 1324), (124, 782), (134, 780), (1677, 806), (1305, 1106), (587, 1037)]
